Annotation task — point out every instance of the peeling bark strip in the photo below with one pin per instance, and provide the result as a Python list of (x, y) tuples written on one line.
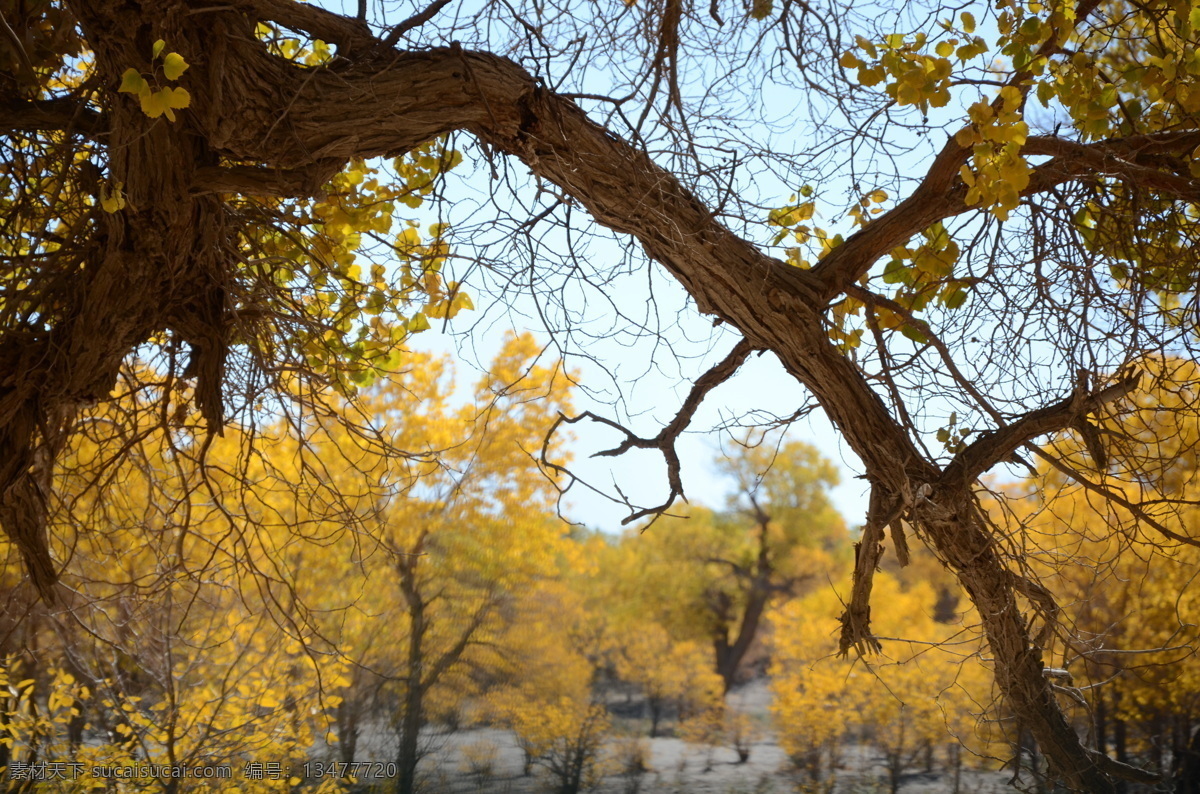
[(167, 260)]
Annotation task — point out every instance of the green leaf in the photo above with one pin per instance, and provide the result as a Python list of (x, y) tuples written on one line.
[(174, 65), (896, 272), (1045, 92), (132, 82), (955, 298), (913, 334)]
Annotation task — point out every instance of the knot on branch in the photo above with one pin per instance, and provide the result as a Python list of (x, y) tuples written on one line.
[(856, 631)]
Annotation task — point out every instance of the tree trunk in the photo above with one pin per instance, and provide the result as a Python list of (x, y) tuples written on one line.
[(1189, 765), (730, 655), (347, 722), (1119, 729), (409, 753), (1018, 662), (414, 689)]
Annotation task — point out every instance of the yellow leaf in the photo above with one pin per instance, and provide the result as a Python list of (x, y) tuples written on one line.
[(157, 49), (158, 103), (968, 21), (1012, 98), (174, 65), (153, 103), (461, 301), (177, 98), (408, 239), (870, 77), (113, 202)]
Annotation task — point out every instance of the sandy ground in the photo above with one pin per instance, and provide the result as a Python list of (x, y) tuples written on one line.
[(679, 768), (674, 766)]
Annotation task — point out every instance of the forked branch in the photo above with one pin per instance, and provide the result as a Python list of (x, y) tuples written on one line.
[(666, 438)]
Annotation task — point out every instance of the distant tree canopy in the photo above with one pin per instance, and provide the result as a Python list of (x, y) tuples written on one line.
[(713, 578), (217, 191)]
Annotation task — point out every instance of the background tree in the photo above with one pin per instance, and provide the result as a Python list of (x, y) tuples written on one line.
[(924, 693), (711, 578), (388, 577), (549, 698), (204, 200), (447, 541), (1129, 601)]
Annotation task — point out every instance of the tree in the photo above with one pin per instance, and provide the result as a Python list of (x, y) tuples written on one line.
[(214, 214), (389, 575), (168, 662), (924, 692), (548, 698), (712, 577), (646, 656), (448, 542)]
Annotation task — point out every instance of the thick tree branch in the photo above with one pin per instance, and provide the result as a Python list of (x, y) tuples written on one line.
[(993, 447), (940, 195), (63, 115), (1135, 160), (345, 32), (268, 182)]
